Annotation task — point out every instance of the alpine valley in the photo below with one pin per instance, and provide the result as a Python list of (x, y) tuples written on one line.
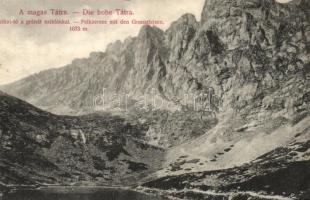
[(249, 138)]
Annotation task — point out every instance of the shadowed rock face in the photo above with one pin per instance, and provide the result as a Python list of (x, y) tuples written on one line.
[(38, 147)]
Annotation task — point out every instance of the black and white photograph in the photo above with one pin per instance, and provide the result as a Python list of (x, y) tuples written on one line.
[(154, 100)]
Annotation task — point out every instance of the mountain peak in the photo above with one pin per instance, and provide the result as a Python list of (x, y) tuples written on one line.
[(114, 46), (148, 30), (238, 42), (188, 18), (185, 20)]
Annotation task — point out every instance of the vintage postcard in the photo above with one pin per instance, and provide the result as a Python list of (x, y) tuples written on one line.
[(154, 99)]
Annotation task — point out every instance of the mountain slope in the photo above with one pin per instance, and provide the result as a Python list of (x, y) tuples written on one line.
[(247, 62), (247, 52), (230, 89), (219, 150), (279, 174), (41, 148)]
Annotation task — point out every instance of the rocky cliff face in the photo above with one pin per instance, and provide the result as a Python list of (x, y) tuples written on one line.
[(250, 53)]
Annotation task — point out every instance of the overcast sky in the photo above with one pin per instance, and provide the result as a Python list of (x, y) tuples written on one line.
[(29, 49)]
